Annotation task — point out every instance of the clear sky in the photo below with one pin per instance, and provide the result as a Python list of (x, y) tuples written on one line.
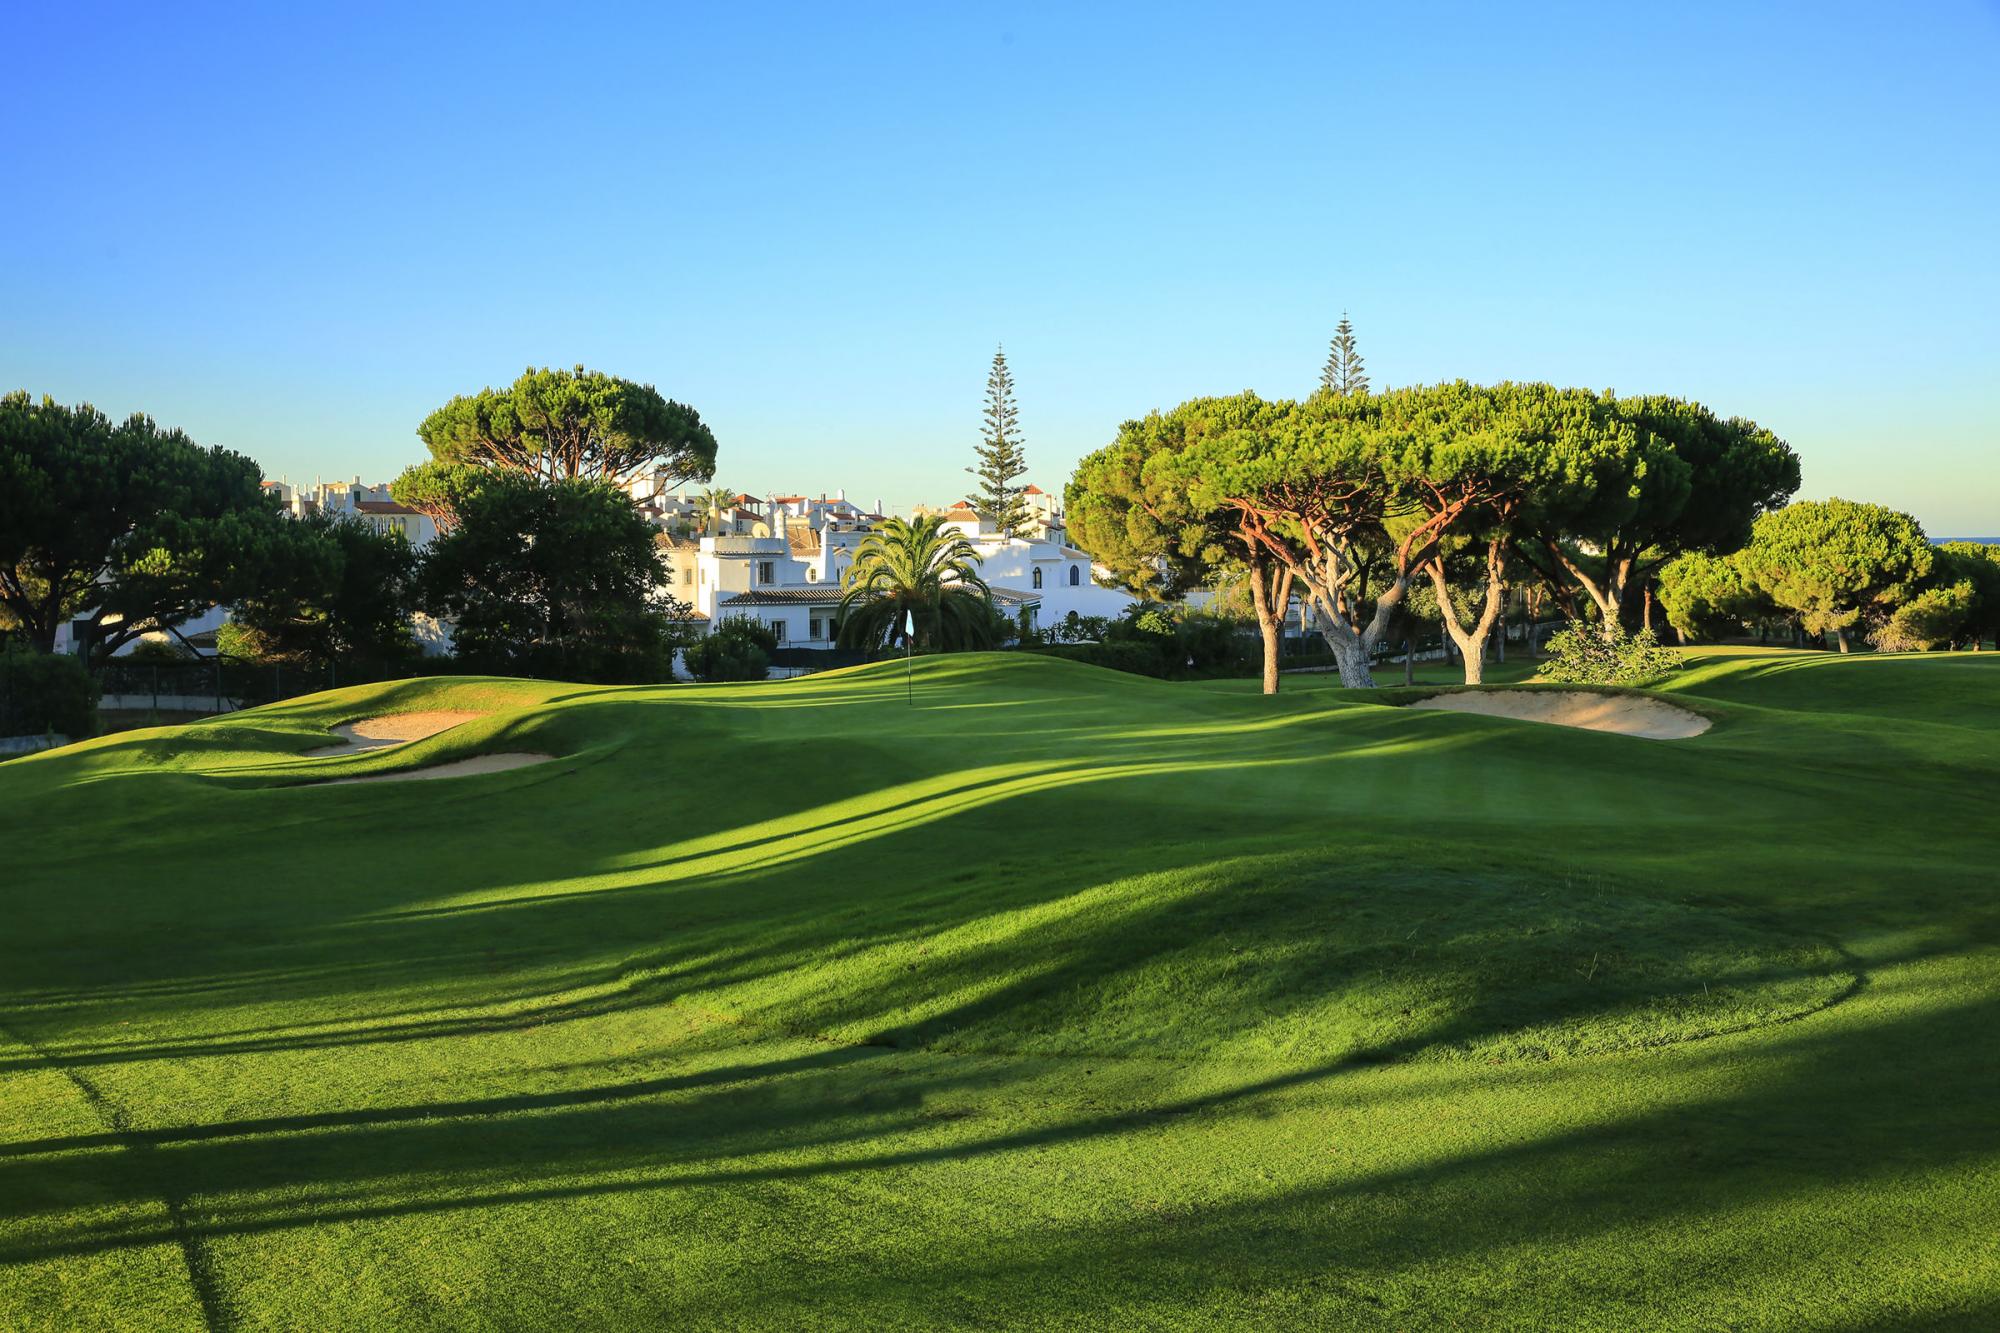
[(294, 234)]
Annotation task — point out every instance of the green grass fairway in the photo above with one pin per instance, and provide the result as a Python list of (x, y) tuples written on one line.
[(1060, 999)]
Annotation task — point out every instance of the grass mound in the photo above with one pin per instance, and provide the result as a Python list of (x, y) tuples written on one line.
[(1273, 959)]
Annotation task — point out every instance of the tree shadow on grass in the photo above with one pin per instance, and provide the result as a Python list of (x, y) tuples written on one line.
[(1796, 1124)]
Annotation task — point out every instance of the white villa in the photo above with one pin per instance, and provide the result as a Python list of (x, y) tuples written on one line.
[(370, 504), (780, 561)]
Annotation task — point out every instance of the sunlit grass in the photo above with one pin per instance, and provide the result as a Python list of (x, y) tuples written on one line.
[(1052, 997)]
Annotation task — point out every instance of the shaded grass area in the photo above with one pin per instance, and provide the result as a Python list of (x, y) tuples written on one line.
[(1060, 997)]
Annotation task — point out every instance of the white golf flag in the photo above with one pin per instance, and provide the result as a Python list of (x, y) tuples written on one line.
[(909, 624)]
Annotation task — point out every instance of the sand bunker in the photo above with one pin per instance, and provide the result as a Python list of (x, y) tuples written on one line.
[(379, 733), (459, 768), (1628, 715)]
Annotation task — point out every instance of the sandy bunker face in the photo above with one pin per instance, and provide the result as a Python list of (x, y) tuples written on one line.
[(1626, 715), (461, 768), (379, 733)]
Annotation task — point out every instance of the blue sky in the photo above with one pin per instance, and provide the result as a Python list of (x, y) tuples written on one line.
[(294, 234)]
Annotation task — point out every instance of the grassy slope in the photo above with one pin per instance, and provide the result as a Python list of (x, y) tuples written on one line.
[(1062, 997)]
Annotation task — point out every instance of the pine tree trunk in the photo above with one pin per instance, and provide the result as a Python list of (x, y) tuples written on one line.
[(1270, 618), (1350, 658), (1840, 637), (1472, 640)]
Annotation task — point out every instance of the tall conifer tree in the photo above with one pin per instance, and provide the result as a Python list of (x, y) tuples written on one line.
[(1343, 373), (1001, 499)]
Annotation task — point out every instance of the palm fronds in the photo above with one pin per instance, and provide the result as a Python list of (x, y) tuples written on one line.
[(923, 570)]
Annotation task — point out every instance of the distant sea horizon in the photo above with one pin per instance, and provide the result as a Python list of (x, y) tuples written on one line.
[(1983, 541)]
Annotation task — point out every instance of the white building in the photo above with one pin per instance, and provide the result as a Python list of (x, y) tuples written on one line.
[(780, 562), (372, 505), (1044, 564)]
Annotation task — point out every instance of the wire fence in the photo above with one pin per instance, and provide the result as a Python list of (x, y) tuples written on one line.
[(225, 684)]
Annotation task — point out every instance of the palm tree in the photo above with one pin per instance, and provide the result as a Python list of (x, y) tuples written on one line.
[(924, 570), (714, 505)]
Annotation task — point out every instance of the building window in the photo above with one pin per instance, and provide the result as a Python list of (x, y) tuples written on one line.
[(687, 576), (767, 571), (812, 575), (817, 629), (778, 628), (1038, 578), (1075, 575)]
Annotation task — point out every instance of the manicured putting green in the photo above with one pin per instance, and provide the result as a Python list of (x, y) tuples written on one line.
[(1058, 998)]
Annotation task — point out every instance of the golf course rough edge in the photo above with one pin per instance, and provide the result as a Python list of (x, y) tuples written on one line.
[(1621, 714)]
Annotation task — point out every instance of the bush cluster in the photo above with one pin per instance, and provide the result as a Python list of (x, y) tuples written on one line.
[(1584, 655), (739, 649), (1836, 567), (1154, 640), (45, 692)]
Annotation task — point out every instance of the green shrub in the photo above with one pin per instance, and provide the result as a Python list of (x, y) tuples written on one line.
[(1582, 655), (1141, 659), (1141, 621), (158, 652), (1074, 628), (1933, 617), (43, 692), (1216, 645), (739, 649)]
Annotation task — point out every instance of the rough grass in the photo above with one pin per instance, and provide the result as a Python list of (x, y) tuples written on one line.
[(1062, 998)]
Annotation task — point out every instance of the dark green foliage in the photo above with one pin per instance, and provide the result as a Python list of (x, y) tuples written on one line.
[(1144, 621), (561, 580), (1978, 564), (1343, 374), (1130, 655), (1074, 628), (1933, 618), (1354, 496), (739, 649), (1002, 498), (1141, 513), (1707, 596), (564, 425), (1837, 564), (1151, 640), (45, 692), (140, 526), (919, 571), (162, 652), (332, 589), (437, 489), (1134, 504), (1664, 477), (1584, 655), (1216, 645)]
